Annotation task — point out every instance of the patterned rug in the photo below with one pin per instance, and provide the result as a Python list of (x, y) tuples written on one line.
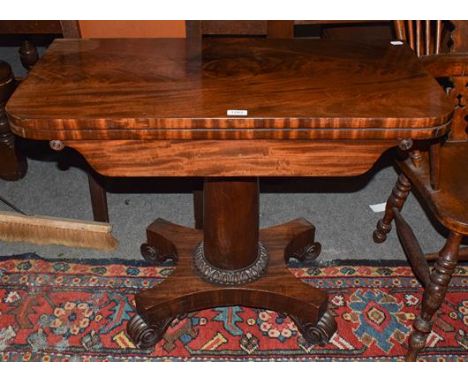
[(77, 311)]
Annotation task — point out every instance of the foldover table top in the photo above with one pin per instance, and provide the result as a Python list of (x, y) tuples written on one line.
[(167, 89)]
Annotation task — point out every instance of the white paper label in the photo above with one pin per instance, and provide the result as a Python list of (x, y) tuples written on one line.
[(378, 207), (396, 42), (237, 113)]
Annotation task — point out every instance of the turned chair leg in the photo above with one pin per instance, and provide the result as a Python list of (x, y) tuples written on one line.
[(28, 54), (98, 200), (434, 294), (462, 255), (397, 198)]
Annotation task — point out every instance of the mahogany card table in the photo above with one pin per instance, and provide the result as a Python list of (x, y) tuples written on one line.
[(229, 111)]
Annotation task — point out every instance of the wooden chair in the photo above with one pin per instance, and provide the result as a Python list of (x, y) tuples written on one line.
[(437, 172), (14, 163)]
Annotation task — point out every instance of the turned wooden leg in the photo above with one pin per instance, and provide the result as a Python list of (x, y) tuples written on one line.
[(396, 200), (13, 164), (28, 54), (230, 230), (434, 294), (98, 200)]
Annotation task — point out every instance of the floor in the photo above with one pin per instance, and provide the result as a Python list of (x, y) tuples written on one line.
[(338, 207)]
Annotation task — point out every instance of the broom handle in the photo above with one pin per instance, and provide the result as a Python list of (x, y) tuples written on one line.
[(12, 206)]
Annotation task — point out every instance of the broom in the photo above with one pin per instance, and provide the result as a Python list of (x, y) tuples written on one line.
[(18, 226)]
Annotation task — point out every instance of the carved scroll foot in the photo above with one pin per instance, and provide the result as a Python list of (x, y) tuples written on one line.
[(303, 246), (158, 249), (309, 253), (154, 256), (320, 333), (396, 200), (143, 335)]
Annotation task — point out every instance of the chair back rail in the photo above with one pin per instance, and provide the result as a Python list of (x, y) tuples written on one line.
[(458, 93), (443, 48), (424, 37)]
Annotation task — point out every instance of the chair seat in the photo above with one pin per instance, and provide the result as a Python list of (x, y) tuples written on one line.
[(450, 203)]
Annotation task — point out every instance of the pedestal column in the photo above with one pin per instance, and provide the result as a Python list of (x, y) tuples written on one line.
[(230, 252)]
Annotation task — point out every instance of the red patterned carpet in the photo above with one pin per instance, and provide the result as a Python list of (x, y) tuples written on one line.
[(77, 311)]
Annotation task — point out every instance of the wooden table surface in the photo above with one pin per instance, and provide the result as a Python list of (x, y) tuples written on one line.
[(158, 107), (159, 89)]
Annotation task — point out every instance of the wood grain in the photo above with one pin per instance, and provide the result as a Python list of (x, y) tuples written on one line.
[(280, 29), (185, 292), (147, 88), (231, 158), (446, 64), (460, 35), (230, 222)]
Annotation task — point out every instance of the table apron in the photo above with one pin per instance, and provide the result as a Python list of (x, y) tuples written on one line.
[(226, 158)]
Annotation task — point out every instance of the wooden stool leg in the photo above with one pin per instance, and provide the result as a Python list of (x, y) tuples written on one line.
[(28, 54), (98, 200), (397, 198), (434, 294), (13, 164)]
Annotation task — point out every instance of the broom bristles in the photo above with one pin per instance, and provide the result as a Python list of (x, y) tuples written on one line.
[(46, 230)]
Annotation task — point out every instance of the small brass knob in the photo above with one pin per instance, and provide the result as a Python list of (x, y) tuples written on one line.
[(56, 145), (405, 144)]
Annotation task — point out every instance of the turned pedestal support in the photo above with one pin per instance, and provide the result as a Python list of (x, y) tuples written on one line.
[(231, 262), (230, 216)]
